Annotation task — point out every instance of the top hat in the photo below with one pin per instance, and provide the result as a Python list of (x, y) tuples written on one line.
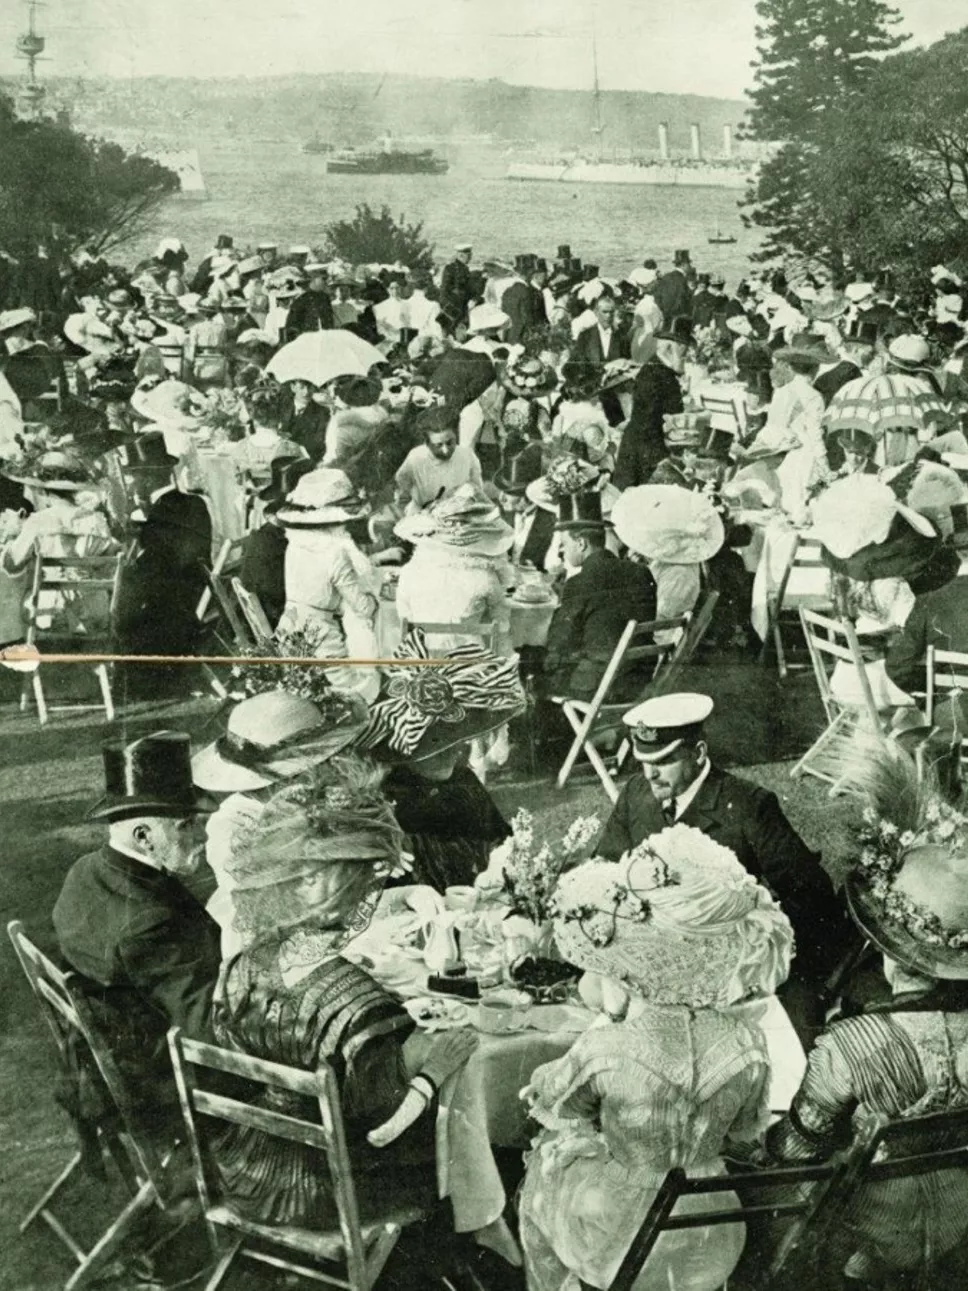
[(589, 273), (959, 521), (284, 473), (678, 329), (224, 242), (680, 257), (574, 265), (146, 451), (149, 777), (863, 331), (580, 511), (540, 265), (519, 471), (564, 253)]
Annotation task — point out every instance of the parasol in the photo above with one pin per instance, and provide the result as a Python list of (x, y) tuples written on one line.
[(321, 357), (891, 401)]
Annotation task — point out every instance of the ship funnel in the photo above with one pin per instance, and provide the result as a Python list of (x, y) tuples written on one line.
[(728, 142), (664, 140), (696, 142)]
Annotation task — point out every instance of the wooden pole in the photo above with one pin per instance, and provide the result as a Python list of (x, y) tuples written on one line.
[(22, 656)]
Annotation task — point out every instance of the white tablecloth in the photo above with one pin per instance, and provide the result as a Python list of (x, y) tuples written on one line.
[(808, 587), (529, 624)]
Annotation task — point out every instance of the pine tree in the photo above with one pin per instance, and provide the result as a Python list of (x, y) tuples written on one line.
[(814, 55)]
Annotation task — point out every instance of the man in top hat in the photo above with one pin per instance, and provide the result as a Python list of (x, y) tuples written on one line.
[(534, 526), (125, 919), (456, 288), (312, 310), (524, 300), (673, 294), (597, 602), (263, 570), (223, 249), (268, 253), (679, 784), (656, 395)]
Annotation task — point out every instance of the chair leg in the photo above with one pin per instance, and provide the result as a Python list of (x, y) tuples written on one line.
[(115, 1236), (781, 663), (51, 1192), (569, 763), (224, 1264), (802, 767), (106, 696), (39, 698), (595, 758)]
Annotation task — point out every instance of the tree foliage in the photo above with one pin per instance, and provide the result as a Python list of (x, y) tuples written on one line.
[(377, 238), (59, 188)]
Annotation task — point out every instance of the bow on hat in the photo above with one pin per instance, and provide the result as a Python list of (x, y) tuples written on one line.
[(417, 698)]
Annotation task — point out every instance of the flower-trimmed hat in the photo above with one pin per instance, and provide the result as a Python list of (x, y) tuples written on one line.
[(679, 921), (466, 520), (322, 497), (668, 523), (565, 476), (528, 378), (429, 708)]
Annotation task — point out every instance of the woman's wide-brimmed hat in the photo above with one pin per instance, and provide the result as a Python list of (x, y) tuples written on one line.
[(857, 512), (424, 711), (566, 475), (827, 307), (322, 497), (55, 471), (276, 736), (767, 444), (910, 353), (679, 921), (486, 318), (809, 348), (528, 378), (619, 373), (169, 401), (462, 376), (467, 520), (933, 491), (668, 523), (151, 776)]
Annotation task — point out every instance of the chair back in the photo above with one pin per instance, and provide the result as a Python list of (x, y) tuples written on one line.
[(72, 579), (482, 632), (49, 987), (252, 611), (669, 670), (173, 356), (835, 639), (801, 575), (227, 561), (947, 671), (205, 1110), (637, 644), (727, 413)]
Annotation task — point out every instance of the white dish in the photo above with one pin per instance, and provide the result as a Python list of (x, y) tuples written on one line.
[(437, 1012)]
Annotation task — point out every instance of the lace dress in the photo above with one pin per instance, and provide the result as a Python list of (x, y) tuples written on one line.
[(901, 1064), (624, 1105)]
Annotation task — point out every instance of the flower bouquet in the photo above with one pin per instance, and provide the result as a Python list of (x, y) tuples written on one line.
[(305, 680)]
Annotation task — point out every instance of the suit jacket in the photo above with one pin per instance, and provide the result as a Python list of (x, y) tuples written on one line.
[(656, 393), (263, 569), (310, 312), (139, 931), (525, 307), (588, 346), (938, 618), (750, 821), (828, 383), (673, 295), (539, 538), (595, 606), (456, 291)]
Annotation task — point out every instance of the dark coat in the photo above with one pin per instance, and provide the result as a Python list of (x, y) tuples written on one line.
[(655, 395), (307, 427), (139, 931), (673, 295), (263, 569), (595, 606), (539, 538), (456, 291), (312, 311), (938, 618), (525, 307), (828, 383), (750, 821), (588, 346)]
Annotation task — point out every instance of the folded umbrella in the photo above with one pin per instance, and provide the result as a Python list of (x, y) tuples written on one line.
[(320, 357)]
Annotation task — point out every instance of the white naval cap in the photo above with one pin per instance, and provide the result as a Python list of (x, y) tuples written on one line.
[(660, 725)]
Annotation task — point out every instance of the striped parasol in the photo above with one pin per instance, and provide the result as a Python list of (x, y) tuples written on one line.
[(891, 401)]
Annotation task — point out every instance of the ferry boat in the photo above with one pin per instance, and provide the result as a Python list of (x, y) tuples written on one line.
[(385, 160)]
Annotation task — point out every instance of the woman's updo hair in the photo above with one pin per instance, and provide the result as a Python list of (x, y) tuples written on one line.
[(267, 404)]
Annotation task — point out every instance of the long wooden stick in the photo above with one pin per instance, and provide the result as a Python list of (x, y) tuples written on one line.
[(25, 655)]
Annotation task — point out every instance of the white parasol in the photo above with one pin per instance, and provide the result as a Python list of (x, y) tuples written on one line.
[(321, 357)]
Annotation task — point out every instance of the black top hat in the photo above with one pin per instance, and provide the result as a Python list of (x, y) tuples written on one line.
[(680, 257), (589, 272), (864, 331), (678, 329), (146, 451), (855, 440), (564, 252), (718, 443), (581, 511), (540, 265), (574, 265), (149, 777), (283, 474), (519, 471), (224, 241)]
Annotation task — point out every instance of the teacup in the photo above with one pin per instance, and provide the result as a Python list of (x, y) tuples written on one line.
[(460, 897), (503, 1011)]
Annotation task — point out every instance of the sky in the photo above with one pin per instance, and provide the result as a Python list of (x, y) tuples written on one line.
[(667, 46)]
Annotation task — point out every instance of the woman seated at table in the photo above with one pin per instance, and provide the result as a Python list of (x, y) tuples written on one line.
[(906, 1057), (422, 727), (304, 878), (674, 940), (254, 455), (331, 588)]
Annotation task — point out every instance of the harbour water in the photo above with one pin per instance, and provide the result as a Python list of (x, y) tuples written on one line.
[(261, 188)]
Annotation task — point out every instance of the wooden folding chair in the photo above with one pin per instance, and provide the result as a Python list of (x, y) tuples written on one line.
[(947, 671), (770, 1195), (839, 644), (82, 592), (67, 1013), (252, 611), (805, 559), (726, 413), (173, 357), (218, 610), (598, 716), (352, 1256), (227, 561), (482, 632)]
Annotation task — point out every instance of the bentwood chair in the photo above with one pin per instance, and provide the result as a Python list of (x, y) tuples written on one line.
[(353, 1253), (72, 1021)]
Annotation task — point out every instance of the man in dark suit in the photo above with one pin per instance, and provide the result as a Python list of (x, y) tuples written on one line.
[(125, 919), (603, 341), (679, 784), (456, 288), (263, 569), (524, 301), (312, 310), (673, 294), (596, 603), (655, 395), (938, 617)]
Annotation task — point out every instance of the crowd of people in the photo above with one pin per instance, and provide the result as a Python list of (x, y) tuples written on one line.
[(412, 459)]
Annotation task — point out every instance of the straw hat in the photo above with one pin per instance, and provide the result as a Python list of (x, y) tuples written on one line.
[(679, 921), (467, 520), (809, 347), (425, 711), (277, 736), (668, 523), (932, 493), (486, 318), (13, 318), (169, 401), (322, 497), (858, 511), (910, 352), (55, 472), (528, 378)]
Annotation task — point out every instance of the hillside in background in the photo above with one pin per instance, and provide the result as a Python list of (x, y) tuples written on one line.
[(353, 109)]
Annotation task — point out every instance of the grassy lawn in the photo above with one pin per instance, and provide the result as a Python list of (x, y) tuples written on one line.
[(50, 775)]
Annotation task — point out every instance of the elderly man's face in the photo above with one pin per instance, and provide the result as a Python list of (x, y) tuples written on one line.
[(442, 444), (605, 311), (174, 844)]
